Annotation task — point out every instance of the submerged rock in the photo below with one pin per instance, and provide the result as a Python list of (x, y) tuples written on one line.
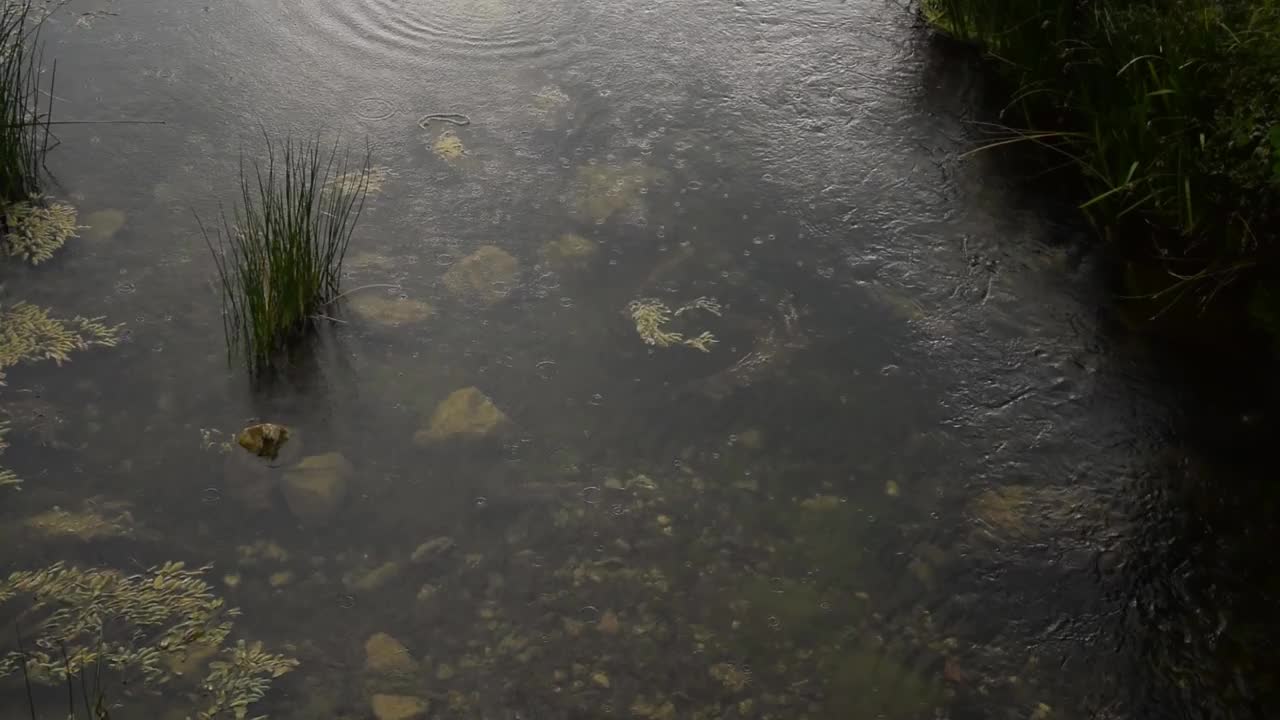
[(103, 224), (316, 487), (389, 311), (431, 549), (373, 579), (385, 655), (263, 439), (399, 707), (569, 251), (484, 276), (466, 413)]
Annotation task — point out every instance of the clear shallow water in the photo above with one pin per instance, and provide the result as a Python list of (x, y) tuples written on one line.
[(921, 475)]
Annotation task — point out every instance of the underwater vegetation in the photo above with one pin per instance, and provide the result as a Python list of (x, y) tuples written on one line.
[(151, 623), (279, 255), (36, 228), (33, 227), (29, 334), (652, 317), (24, 129)]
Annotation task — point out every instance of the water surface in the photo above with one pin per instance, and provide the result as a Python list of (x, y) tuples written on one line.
[(920, 474)]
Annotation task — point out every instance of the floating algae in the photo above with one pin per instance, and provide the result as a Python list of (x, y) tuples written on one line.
[(651, 317), (36, 229), (448, 145)]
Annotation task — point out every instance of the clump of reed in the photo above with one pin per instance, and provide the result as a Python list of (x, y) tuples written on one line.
[(24, 126), (279, 254), (1169, 108)]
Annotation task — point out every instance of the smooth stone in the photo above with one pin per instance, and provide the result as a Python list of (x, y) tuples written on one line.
[(484, 276), (399, 707), (315, 488), (390, 311), (466, 413), (263, 439), (386, 655)]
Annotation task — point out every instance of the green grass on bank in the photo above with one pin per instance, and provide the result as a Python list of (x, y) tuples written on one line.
[(279, 255), (1169, 108)]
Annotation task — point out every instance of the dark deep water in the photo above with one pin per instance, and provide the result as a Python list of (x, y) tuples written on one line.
[(923, 473)]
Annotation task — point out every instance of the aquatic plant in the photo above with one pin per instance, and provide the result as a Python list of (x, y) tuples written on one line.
[(242, 678), (146, 622), (35, 228), (7, 476), (1168, 111), (29, 334), (24, 127), (279, 255), (651, 316), (130, 622)]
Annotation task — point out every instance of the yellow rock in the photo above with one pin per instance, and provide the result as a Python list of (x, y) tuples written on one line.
[(389, 311), (465, 413), (398, 707), (609, 623), (375, 578), (315, 488), (386, 655), (730, 676), (484, 276), (263, 439), (569, 251), (280, 579), (102, 224), (820, 502), (448, 146), (605, 190), (600, 679)]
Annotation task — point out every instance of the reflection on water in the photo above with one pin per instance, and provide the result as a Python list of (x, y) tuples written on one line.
[(691, 379)]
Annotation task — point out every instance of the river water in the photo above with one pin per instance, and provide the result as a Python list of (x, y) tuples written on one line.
[(923, 472)]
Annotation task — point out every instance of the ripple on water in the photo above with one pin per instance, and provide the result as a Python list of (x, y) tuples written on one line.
[(503, 28)]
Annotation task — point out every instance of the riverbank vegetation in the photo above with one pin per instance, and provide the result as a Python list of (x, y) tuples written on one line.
[(279, 255), (1170, 109), (34, 227)]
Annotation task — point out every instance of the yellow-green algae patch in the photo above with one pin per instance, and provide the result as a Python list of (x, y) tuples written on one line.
[(651, 317), (448, 145)]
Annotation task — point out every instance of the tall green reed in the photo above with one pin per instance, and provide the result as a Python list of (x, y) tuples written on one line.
[(279, 254), (24, 127)]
